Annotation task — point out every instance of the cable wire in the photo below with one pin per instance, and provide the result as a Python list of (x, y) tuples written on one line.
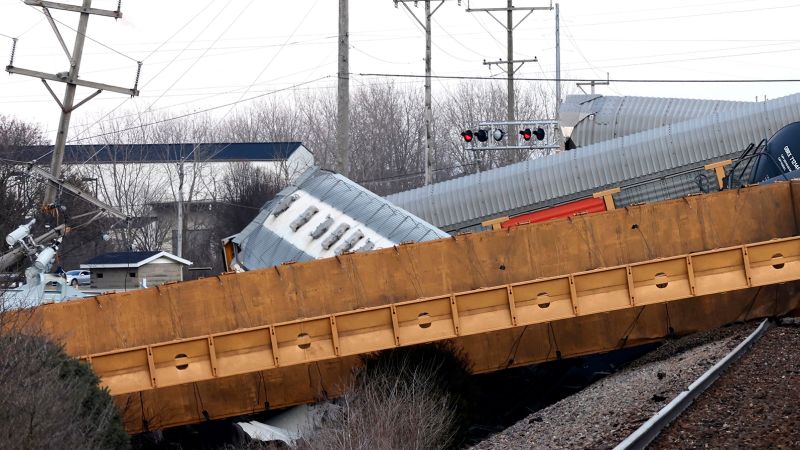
[(616, 80), (169, 119), (88, 37)]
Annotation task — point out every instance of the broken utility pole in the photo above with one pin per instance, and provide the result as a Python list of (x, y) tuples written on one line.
[(70, 77)]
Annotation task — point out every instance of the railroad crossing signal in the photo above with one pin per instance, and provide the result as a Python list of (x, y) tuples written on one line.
[(543, 130), (527, 134)]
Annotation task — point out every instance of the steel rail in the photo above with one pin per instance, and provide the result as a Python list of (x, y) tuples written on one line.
[(447, 316), (649, 431)]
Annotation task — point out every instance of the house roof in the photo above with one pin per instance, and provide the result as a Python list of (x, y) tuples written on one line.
[(129, 259), (155, 153)]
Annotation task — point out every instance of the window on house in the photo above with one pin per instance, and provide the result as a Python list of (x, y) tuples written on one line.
[(100, 275), (132, 274)]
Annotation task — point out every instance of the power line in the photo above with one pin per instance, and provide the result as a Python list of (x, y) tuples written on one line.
[(179, 30), (88, 37), (275, 56), (181, 116), (616, 80), (159, 73), (687, 16), (202, 55)]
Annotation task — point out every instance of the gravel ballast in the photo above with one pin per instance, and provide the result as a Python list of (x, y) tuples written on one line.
[(754, 404), (606, 412)]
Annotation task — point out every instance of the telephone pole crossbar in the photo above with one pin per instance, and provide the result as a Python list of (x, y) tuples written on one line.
[(426, 28), (70, 78), (594, 83), (510, 62)]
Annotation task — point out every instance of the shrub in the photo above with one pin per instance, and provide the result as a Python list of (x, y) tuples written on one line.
[(411, 398), (51, 400)]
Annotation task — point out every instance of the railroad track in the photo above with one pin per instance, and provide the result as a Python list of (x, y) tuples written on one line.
[(650, 430)]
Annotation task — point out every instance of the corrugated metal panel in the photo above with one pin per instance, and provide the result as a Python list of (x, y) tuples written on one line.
[(589, 119), (651, 154), (352, 214)]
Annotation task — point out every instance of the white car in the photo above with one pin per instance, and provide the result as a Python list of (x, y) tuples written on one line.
[(76, 277)]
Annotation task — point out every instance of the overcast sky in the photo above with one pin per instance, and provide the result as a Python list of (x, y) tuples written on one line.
[(205, 53)]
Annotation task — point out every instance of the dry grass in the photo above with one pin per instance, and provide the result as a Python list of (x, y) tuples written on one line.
[(403, 399)]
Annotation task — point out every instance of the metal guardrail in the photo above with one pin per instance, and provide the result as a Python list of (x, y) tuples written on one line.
[(449, 316), (649, 431)]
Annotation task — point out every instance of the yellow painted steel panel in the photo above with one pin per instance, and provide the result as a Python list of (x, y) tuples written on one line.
[(719, 271), (182, 362), (484, 310), (434, 270), (365, 331), (774, 262), (123, 372), (424, 321), (544, 300), (304, 341), (660, 281), (602, 291), (244, 352)]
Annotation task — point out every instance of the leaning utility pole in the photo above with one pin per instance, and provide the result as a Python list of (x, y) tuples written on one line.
[(426, 28), (510, 61), (343, 94), (70, 77)]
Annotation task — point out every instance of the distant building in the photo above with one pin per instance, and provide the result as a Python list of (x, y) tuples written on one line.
[(142, 180), (100, 165), (133, 270)]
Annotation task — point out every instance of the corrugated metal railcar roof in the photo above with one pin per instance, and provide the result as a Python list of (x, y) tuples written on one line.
[(651, 154), (270, 239), (589, 119)]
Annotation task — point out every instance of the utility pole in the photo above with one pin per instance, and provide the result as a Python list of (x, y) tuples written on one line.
[(17, 253), (70, 77), (343, 93), (428, 102), (426, 28), (179, 250), (558, 66), (510, 62), (594, 83)]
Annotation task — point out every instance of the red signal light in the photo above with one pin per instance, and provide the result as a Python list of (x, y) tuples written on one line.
[(526, 134), (467, 135), (539, 133)]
